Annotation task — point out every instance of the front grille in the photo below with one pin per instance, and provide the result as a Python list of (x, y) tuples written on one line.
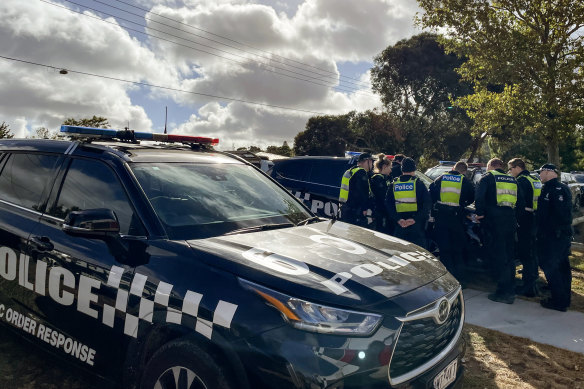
[(421, 340)]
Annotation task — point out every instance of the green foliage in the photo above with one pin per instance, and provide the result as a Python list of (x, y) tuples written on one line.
[(5, 131), (525, 61), (95, 121), (324, 135), (417, 82), (45, 133), (284, 150), (254, 149)]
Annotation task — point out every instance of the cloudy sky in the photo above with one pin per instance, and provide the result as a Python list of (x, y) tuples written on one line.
[(248, 72)]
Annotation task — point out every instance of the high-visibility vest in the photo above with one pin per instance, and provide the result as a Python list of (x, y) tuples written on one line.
[(404, 193), (506, 187), (450, 189), (344, 194), (536, 186)]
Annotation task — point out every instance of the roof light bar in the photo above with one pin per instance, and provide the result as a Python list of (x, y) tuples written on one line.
[(103, 133)]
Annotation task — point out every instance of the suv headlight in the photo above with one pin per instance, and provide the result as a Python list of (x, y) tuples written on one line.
[(314, 317)]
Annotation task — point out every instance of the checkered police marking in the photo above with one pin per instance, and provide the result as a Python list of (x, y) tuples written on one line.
[(187, 315)]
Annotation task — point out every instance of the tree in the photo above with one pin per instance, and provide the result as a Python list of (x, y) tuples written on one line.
[(324, 135), (5, 131), (254, 149), (417, 82), (525, 61), (95, 121), (45, 133), (284, 150)]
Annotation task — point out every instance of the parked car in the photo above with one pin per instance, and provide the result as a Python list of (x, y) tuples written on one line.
[(579, 176), (575, 188), (474, 173), (160, 265), (317, 180)]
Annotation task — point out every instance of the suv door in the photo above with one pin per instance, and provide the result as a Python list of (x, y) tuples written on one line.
[(88, 280), (25, 180)]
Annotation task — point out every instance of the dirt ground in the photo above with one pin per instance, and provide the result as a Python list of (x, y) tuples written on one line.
[(496, 360)]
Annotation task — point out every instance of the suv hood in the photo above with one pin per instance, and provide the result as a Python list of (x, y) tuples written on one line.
[(332, 262)]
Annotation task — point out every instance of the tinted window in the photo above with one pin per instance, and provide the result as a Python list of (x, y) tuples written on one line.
[(579, 178), (24, 178), (293, 169), (328, 172), (91, 184)]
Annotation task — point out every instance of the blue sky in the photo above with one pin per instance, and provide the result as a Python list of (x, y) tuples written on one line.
[(274, 53)]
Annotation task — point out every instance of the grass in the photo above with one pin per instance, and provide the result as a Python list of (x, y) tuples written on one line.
[(497, 360)]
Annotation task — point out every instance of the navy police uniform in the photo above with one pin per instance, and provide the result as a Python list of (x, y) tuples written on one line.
[(355, 195), (450, 193), (495, 201), (408, 198), (554, 236), (528, 191), (379, 184)]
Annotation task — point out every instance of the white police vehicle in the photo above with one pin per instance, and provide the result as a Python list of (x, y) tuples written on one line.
[(170, 265)]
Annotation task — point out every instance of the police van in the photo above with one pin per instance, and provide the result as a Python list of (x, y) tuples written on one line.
[(154, 261)]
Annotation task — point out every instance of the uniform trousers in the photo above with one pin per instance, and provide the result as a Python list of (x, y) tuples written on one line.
[(451, 239), (553, 253), (499, 232), (526, 250)]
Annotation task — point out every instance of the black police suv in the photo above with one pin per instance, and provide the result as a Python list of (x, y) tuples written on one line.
[(170, 265)]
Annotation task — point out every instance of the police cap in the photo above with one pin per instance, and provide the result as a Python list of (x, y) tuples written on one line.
[(364, 157), (549, 167)]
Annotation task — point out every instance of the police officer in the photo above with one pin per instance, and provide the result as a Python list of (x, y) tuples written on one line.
[(554, 236), (379, 182), (355, 195), (408, 204), (528, 191), (450, 193), (495, 199), (396, 171)]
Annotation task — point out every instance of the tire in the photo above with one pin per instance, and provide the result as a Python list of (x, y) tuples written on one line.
[(183, 365)]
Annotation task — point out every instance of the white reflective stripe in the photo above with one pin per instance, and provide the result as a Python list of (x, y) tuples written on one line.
[(449, 189), (406, 200), (529, 209), (506, 204), (345, 187), (448, 203), (506, 191)]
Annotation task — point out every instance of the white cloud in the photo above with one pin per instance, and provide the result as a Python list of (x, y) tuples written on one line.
[(314, 36)]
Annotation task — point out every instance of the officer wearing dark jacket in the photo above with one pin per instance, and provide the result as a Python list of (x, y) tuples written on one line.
[(379, 182), (450, 193), (495, 199), (396, 171), (528, 191), (554, 236), (355, 195), (408, 204)]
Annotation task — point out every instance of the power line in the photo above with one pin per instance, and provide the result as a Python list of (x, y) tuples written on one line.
[(232, 40), (332, 75), (159, 86), (196, 49)]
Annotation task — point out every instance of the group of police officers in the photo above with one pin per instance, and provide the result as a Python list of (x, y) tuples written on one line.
[(516, 211)]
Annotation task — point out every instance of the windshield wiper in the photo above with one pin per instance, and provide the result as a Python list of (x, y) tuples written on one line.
[(308, 221), (261, 227)]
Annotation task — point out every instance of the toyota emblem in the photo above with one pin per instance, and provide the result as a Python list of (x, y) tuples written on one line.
[(443, 311)]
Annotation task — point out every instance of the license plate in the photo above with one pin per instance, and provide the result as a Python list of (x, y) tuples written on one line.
[(446, 376)]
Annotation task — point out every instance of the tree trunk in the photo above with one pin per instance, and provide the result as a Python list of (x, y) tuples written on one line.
[(553, 152)]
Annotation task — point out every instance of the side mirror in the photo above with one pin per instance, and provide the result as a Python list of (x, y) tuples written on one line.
[(92, 223)]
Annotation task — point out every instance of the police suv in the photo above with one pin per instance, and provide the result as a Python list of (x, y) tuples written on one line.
[(156, 262)]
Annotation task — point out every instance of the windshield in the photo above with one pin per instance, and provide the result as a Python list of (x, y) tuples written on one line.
[(579, 178), (196, 200)]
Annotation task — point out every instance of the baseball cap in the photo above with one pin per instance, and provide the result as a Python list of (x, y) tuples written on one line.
[(549, 167), (408, 165), (365, 156)]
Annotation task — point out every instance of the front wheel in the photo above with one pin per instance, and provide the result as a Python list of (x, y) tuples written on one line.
[(183, 365)]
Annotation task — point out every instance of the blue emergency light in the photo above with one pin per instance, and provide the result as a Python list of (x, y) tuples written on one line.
[(104, 133)]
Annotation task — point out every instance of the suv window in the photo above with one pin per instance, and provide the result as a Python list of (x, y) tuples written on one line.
[(296, 170), (24, 178), (91, 184), (326, 172)]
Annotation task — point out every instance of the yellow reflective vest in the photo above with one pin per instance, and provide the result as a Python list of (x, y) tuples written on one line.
[(506, 187), (404, 193), (536, 186), (344, 194), (450, 189)]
